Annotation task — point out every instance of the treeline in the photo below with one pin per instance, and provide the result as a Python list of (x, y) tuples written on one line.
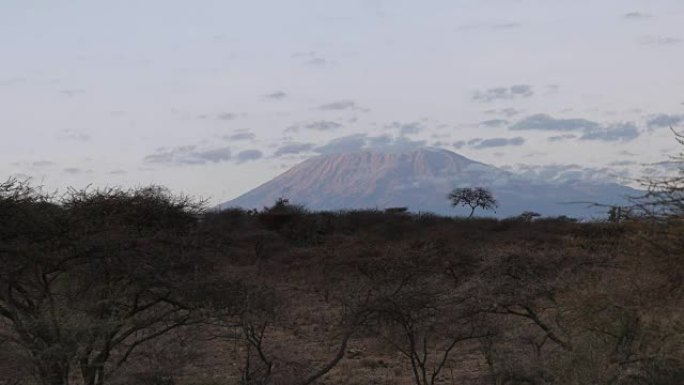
[(143, 287)]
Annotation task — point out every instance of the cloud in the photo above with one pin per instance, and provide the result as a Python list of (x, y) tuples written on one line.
[(496, 142), (174, 155), (667, 168), (560, 173), (481, 143), (659, 40), (42, 164), (240, 136), (664, 120), (212, 156), (226, 116), (380, 141), (189, 155), (317, 62), (407, 128), (489, 26), (75, 135), (621, 132), (507, 112), (590, 130), (627, 153), (398, 143), (547, 123), (560, 138), (278, 95), (118, 172), (292, 128), (350, 143), (504, 93), (248, 155), (359, 142), (623, 163), (292, 148), (668, 165), (492, 123), (323, 125), (338, 106), (72, 92), (72, 170), (636, 16)]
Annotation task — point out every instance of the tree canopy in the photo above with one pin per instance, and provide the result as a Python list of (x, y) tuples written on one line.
[(475, 197)]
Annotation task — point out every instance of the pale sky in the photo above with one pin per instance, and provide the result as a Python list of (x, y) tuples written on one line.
[(213, 98)]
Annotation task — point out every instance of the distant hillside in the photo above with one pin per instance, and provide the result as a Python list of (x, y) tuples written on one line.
[(420, 180)]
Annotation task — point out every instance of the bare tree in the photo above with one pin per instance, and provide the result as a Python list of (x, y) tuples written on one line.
[(664, 198), (260, 362), (473, 198), (417, 310), (90, 278), (263, 317)]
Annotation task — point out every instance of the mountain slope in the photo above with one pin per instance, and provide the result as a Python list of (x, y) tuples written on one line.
[(420, 180)]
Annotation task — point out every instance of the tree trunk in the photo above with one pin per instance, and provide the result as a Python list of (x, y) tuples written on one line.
[(472, 211), (92, 373), (54, 373)]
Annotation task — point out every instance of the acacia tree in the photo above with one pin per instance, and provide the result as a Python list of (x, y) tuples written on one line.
[(417, 310), (89, 278), (473, 198), (426, 326), (259, 363), (261, 315)]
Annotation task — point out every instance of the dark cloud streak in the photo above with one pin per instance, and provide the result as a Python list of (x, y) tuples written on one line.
[(240, 136), (248, 156), (360, 142), (589, 130), (323, 125), (664, 120), (503, 93), (278, 95), (497, 142), (189, 155), (293, 149), (493, 123), (622, 132), (636, 16), (407, 128), (545, 122)]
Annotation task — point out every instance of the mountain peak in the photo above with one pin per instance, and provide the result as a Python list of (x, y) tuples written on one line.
[(418, 178)]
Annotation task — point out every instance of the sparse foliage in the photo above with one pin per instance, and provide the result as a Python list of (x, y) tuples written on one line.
[(665, 196), (89, 278)]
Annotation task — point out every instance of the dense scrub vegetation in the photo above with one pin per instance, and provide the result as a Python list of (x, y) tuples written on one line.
[(143, 287)]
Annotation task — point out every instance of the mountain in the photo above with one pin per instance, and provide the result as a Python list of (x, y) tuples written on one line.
[(420, 180)]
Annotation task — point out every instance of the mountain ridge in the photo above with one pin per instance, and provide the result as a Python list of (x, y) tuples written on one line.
[(420, 179)]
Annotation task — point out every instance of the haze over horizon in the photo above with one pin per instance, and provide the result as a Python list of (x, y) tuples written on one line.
[(213, 98)]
